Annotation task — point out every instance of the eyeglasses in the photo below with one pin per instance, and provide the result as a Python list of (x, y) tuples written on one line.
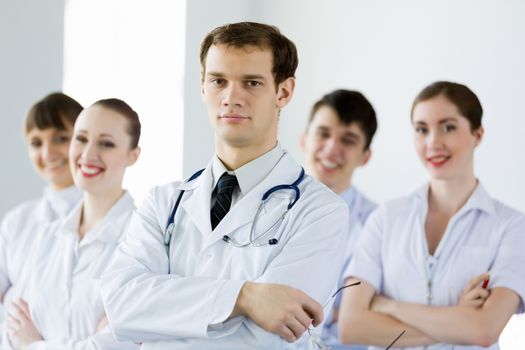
[(316, 338)]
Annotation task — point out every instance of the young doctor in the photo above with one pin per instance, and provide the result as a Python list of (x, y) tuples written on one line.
[(244, 268), (425, 259), (60, 305), (336, 142), (48, 131)]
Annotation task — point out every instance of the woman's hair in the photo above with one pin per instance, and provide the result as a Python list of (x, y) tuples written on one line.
[(127, 112), (461, 96), (53, 111)]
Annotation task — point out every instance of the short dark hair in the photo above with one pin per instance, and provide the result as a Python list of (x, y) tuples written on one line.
[(239, 35), (460, 95), (53, 111), (350, 107), (127, 112)]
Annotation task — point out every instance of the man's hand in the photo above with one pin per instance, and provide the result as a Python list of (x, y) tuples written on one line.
[(474, 295), (20, 327), (278, 309)]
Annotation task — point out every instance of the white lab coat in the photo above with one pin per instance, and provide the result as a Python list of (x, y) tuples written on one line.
[(19, 229), (188, 308), (62, 281), (484, 235)]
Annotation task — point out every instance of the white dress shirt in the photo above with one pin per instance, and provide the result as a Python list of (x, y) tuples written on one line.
[(19, 230), (62, 286), (188, 307), (484, 235)]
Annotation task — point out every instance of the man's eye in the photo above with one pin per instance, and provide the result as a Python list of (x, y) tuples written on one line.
[(253, 83), (349, 142), (217, 81)]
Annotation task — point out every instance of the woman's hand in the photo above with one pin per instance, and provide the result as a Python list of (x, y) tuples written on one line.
[(20, 327), (474, 295)]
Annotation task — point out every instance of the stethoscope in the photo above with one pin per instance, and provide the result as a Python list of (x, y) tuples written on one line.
[(253, 240)]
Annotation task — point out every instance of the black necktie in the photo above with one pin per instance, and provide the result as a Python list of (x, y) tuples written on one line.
[(223, 200)]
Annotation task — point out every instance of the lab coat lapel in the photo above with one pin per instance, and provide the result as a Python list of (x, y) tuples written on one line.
[(197, 204), (243, 212)]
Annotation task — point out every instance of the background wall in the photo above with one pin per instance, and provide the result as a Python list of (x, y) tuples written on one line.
[(31, 38), (389, 51)]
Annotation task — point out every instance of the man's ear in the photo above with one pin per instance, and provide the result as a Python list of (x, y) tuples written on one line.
[(202, 91), (366, 157), (302, 141), (285, 92)]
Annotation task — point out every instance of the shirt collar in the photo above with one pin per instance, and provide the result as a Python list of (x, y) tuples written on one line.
[(105, 230), (252, 173), (63, 201), (479, 199), (349, 196)]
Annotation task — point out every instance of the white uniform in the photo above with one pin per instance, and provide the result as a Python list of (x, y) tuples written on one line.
[(359, 208), (19, 230), (62, 286), (188, 308), (484, 235)]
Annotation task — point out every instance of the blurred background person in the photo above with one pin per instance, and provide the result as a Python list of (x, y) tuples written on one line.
[(336, 142), (48, 131)]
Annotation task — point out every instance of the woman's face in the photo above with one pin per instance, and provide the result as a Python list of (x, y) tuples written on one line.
[(100, 150), (49, 152), (444, 140)]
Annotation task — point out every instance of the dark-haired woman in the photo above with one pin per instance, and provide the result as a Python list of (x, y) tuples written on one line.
[(444, 264), (60, 305), (48, 131)]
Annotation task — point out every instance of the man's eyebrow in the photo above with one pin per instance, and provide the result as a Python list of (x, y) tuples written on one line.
[(352, 134), (254, 77), (215, 74)]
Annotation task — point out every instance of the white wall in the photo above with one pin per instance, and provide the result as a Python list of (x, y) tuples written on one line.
[(30, 67), (135, 53), (390, 51)]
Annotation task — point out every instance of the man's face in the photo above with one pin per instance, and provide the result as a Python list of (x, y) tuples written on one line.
[(333, 150), (239, 91)]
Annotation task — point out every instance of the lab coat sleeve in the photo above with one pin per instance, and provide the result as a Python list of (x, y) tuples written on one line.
[(103, 340), (366, 263), (145, 303), (507, 269)]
